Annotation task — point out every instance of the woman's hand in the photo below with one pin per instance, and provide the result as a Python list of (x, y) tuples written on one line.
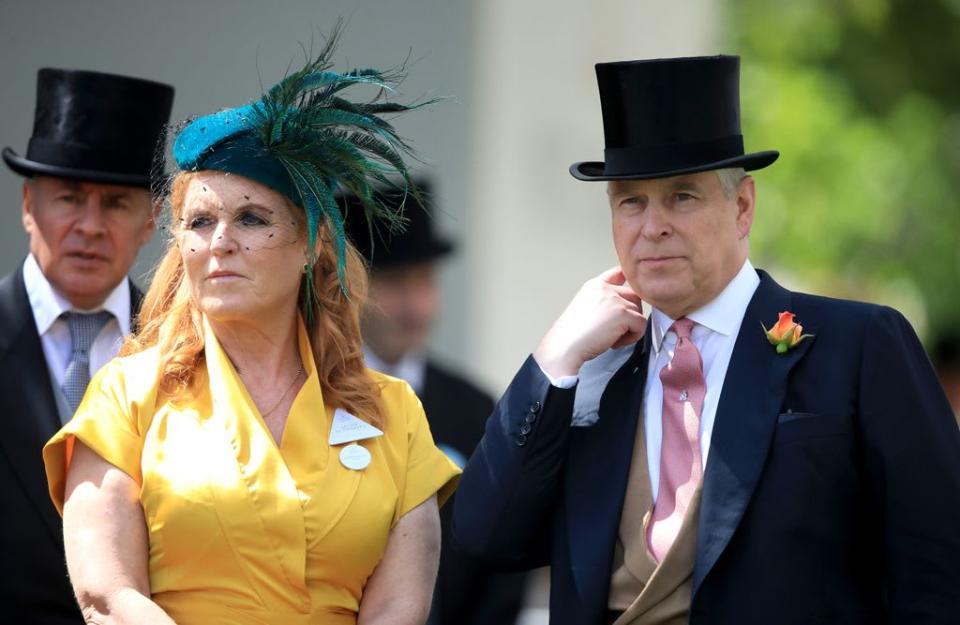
[(105, 538), (401, 588)]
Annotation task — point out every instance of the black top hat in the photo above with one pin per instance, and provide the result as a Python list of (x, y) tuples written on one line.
[(96, 127), (418, 243), (667, 117)]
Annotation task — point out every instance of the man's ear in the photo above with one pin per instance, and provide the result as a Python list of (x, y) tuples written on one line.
[(746, 205), (156, 206), (27, 203)]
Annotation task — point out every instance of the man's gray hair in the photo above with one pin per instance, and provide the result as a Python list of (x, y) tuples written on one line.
[(730, 179)]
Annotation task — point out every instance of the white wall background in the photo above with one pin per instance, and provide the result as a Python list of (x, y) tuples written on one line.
[(536, 233), (525, 106)]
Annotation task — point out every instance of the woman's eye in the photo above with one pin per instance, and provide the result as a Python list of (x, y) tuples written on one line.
[(199, 222), (251, 219)]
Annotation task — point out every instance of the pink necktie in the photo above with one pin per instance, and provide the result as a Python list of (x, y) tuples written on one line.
[(680, 460)]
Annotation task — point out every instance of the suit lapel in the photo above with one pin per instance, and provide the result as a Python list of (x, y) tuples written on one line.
[(597, 470), (30, 415), (136, 300), (752, 395)]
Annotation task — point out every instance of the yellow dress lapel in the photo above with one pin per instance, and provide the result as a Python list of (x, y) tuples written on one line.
[(326, 487), (269, 483)]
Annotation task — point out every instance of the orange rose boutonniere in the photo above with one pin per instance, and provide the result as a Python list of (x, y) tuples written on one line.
[(786, 333)]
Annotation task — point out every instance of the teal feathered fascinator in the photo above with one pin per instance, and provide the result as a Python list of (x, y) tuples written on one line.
[(304, 139)]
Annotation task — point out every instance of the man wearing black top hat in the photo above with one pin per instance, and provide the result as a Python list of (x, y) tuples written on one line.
[(745, 455), (87, 209), (404, 301)]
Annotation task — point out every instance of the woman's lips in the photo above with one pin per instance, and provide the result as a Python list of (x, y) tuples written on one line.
[(223, 276)]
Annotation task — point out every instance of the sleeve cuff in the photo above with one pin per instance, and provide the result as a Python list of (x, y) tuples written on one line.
[(564, 381)]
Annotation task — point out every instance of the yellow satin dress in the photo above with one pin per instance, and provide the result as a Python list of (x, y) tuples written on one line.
[(241, 531)]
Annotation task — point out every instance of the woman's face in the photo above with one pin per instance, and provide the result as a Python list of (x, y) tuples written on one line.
[(243, 248)]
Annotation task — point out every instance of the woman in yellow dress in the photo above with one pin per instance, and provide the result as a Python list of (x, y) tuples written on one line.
[(238, 464)]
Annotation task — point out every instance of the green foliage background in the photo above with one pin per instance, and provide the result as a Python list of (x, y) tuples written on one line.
[(862, 98)]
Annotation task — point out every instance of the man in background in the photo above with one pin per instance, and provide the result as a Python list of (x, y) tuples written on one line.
[(945, 354), (396, 324), (87, 209)]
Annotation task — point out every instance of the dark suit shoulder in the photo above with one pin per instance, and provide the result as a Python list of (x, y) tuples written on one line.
[(453, 383), (822, 312), (835, 307), (848, 318), (14, 308), (456, 408), (848, 334)]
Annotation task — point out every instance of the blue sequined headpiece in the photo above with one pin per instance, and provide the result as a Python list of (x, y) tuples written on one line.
[(304, 140)]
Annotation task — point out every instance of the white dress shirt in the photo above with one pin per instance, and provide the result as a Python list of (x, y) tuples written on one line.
[(412, 368), (54, 332), (715, 334)]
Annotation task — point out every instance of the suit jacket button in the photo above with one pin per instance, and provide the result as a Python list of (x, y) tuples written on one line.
[(535, 407), (521, 440), (525, 429), (531, 418)]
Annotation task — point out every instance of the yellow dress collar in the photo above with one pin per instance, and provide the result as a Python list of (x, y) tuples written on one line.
[(270, 472)]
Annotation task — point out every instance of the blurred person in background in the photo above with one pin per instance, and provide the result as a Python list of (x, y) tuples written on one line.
[(87, 209), (945, 354), (404, 301), (748, 454)]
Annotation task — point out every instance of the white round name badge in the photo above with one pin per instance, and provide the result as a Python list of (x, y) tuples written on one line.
[(354, 457)]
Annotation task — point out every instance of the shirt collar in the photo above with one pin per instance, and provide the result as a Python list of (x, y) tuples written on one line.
[(722, 315), (411, 368), (48, 304)]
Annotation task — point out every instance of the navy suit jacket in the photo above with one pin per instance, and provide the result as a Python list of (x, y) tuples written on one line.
[(831, 492), (33, 578)]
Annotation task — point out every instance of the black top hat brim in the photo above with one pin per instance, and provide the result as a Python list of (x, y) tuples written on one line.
[(28, 168), (594, 170), (417, 243), (424, 253)]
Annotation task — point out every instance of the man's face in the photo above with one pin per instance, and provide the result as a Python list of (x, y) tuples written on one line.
[(680, 240), (403, 303), (84, 235)]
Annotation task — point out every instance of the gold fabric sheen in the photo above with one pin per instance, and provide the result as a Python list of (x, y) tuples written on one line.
[(243, 531), (647, 593)]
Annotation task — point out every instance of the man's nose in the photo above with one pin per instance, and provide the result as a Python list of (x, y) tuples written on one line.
[(92, 219), (656, 224)]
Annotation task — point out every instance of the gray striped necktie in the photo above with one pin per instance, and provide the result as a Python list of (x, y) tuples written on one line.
[(84, 328)]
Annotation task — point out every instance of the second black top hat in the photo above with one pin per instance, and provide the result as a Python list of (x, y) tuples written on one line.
[(94, 126), (417, 243)]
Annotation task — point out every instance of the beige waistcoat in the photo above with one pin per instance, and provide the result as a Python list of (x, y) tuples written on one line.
[(651, 594)]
